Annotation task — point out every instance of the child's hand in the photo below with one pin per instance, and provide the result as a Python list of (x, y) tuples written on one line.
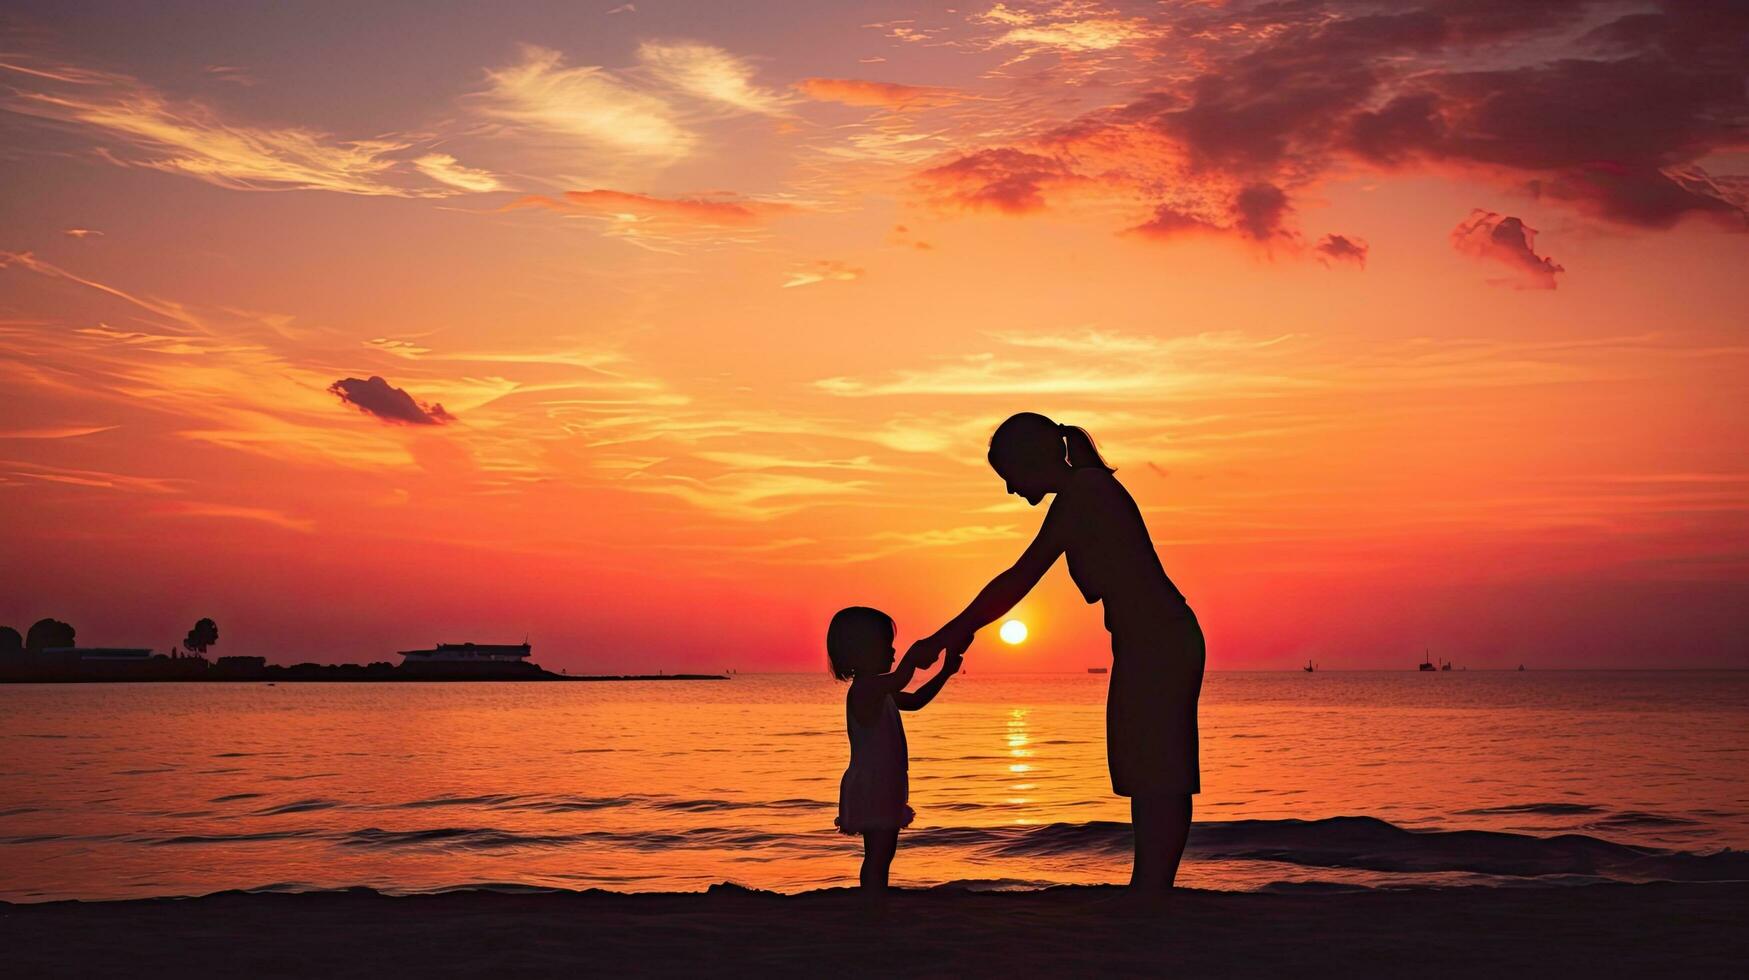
[(955, 660)]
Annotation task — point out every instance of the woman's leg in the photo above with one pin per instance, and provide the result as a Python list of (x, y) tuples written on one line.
[(878, 847), (1161, 824)]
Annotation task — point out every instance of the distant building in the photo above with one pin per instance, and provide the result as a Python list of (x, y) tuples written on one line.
[(133, 655), (467, 653), (106, 663), (464, 661)]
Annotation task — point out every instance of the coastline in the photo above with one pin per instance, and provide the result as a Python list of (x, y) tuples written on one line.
[(1603, 929)]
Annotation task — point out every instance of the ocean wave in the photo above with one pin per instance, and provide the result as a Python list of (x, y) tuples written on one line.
[(456, 838), (1638, 818), (1361, 843), (265, 835), (706, 806), (494, 799), (569, 804), (495, 838), (298, 806), (1552, 809), (1370, 844)]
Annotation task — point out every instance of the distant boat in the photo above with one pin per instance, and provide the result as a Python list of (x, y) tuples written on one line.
[(1521, 667), (1099, 670), (1426, 662), (1309, 667), (1445, 665)]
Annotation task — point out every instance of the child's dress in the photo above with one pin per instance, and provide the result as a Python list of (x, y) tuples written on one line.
[(874, 792)]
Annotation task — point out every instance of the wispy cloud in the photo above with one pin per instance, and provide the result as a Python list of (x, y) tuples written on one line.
[(710, 73), (96, 479), (56, 432), (888, 543), (444, 169), (887, 95), (260, 515), (144, 128), (1096, 368), (722, 209), (823, 271), (590, 105), (768, 461), (760, 494)]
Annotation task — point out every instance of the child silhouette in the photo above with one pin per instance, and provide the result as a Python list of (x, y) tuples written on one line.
[(873, 798)]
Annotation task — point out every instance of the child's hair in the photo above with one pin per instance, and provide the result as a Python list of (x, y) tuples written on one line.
[(856, 629)]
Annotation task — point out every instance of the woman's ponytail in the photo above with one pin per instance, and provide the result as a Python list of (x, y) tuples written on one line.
[(1081, 451)]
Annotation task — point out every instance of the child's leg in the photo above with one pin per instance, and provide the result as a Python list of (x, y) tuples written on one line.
[(878, 847)]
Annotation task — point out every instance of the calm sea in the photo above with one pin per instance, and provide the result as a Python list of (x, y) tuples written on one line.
[(1375, 779)]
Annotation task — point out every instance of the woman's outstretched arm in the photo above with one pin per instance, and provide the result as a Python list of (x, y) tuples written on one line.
[(1008, 588)]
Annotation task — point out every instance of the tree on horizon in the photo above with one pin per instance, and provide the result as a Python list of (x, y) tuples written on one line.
[(204, 634), (11, 644), (46, 634)]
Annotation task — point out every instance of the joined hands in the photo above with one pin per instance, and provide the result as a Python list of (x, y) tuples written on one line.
[(927, 651)]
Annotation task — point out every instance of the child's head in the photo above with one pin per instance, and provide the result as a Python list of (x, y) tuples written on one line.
[(860, 641)]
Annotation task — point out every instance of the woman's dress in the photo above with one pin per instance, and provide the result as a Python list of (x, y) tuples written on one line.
[(1156, 643)]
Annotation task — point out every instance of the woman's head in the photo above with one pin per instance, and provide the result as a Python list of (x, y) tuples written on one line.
[(1033, 454), (860, 641)]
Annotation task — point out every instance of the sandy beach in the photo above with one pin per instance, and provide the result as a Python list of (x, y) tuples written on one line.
[(1593, 931)]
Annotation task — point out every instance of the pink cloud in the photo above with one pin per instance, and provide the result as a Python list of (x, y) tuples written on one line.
[(1506, 240)]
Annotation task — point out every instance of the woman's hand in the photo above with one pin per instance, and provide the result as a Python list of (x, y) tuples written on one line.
[(924, 652), (928, 650), (953, 642)]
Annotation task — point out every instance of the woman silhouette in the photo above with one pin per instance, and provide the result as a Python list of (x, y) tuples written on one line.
[(1156, 644)]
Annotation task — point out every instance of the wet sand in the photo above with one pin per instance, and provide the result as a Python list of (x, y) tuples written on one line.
[(1591, 931)]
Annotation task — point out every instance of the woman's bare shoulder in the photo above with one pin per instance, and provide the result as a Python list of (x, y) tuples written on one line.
[(1090, 482)]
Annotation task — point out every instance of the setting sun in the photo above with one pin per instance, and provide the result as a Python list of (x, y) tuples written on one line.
[(1013, 631)]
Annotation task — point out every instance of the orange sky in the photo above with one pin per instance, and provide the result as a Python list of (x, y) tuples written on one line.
[(1406, 327)]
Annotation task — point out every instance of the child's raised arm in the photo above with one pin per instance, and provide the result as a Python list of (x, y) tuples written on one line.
[(866, 692), (913, 700)]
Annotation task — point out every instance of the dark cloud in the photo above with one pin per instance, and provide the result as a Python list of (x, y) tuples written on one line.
[(1169, 222), (1507, 240), (1341, 248), (1002, 179), (1709, 35), (1603, 109), (377, 397), (1604, 136), (1258, 211)]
